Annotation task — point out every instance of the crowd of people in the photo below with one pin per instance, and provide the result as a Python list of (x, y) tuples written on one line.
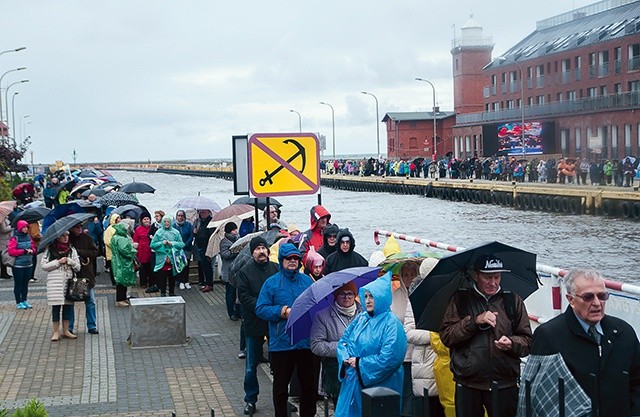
[(604, 172), (366, 337)]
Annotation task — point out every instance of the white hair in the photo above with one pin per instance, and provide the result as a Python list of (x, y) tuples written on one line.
[(586, 273)]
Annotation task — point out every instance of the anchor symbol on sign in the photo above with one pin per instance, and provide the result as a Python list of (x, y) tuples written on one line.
[(268, 176)]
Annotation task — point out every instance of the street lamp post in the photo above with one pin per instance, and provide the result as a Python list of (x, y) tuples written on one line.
[(22, 128), (522, 129), (6, 95), (299, 120), (333, 125), (13, 116), (1, 77), (13, 50), (435, 136), (377, 120)]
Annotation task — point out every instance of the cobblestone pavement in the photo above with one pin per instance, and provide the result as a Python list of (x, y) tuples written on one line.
[(100, 375)]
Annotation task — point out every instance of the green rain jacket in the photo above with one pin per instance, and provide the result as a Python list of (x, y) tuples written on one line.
[(123, 253), (162, 251)]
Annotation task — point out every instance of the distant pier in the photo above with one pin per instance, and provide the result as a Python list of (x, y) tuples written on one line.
[(573, 199)]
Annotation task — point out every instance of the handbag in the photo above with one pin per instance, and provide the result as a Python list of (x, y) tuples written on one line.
[(179, 259), (77, 289), (7, 259)]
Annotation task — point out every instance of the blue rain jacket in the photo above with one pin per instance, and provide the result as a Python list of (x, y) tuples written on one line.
[(378, 342), (279, 290)]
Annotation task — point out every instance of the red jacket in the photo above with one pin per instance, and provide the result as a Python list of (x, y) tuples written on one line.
[(141, 237)]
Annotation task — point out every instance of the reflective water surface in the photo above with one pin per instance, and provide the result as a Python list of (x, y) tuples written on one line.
[(609, 245)]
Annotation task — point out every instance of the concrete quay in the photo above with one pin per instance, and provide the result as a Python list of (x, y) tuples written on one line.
[(100, 375)]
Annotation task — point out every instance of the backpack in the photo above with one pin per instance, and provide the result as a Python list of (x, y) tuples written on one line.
[(462, 304)]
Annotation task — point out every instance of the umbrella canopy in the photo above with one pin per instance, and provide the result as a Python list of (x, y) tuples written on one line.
[(59, 212), (129, 210), (320, 295), (243, 241), (431, 297), (30, 215), (6, 208), (60, 226), (98, 192), (137, 188), (81, 187), (117, 198), (262, 202), (25, 188), (109, 185), (242, 211), (197, 203)]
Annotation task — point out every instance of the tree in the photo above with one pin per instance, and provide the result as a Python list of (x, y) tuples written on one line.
[(11, 155)]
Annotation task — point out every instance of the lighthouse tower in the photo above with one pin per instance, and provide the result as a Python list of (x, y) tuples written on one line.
[(471, 52)]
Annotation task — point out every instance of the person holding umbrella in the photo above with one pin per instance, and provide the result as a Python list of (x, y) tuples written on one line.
[(87, 253), (60, 261), (22, 248), (488, 331)]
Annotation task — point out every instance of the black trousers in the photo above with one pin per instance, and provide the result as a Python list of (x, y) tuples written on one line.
[(282, 365), (472, 402)]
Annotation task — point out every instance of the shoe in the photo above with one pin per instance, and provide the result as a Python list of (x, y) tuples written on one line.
[(93, 331), (152, 289), (249, 408), (21, 306), (242, 354), (182, 286), (233, 318), (187, 286), (27, 304), (206, 288), (122, 304), (33, 279), (6, 276)]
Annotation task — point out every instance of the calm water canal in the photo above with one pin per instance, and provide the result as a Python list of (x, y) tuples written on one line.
[(610, 245)]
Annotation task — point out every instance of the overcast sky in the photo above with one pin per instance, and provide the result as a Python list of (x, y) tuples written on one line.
[(131, 80)]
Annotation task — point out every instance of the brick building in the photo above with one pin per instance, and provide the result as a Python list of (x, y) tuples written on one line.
[(410, 134), (576, 79)]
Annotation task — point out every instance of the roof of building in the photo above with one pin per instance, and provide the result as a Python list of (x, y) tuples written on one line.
[(596, 23), (417, 115)]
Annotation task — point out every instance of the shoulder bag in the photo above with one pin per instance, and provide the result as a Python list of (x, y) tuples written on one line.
[(77, 288)]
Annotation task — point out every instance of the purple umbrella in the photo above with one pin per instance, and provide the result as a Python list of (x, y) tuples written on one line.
[(320, 295)]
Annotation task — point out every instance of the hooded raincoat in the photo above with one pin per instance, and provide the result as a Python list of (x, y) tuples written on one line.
[(122, 254), (378, 342), (108, 234), (340, 260), (314, 236), (164, 252)]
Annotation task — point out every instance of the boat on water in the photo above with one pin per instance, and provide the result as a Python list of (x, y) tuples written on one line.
[(549, 300)]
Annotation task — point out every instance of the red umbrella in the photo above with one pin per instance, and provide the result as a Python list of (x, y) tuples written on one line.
[(25, 188)]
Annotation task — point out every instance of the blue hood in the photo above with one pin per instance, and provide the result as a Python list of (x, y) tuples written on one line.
[(381, 291), (286, 250)]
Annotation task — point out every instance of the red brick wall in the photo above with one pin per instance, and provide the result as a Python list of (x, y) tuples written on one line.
[(422, 132), (469, 79)]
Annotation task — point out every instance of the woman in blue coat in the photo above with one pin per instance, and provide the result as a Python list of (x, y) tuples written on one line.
[(371, 350)]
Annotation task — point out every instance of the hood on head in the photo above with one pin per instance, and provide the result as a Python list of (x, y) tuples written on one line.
[(286, 250), (312, 259), (381, 291), (121, 229), (113, 218), (165, 217), (331, 229), (318, 212), (346, 233)]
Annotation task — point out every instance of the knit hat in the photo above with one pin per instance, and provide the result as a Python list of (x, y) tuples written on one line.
[(145, 215), (258, 241), (229, 227), (349, 286), (21, 224)]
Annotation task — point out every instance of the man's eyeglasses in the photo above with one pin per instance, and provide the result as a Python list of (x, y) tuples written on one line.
[(589, 296), (346, 295), (292, 258)]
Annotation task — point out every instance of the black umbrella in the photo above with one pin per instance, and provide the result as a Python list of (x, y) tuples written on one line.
[(137, 188), (30, 215), (116, 198), (129, 210), (60, 226), (98, 192), (262, 202), (431, 297)]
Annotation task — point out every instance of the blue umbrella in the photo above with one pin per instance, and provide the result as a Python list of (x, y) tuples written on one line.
[(320, 295), (59, 212)]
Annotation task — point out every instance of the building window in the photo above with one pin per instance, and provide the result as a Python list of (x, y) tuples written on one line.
[(564, 140), (540, 100), (496, 106), (617, 60), (559, 96), (592, 92), (513, 81), (617, 88), (627, 139), (614, 141), (634, 86), (603, 68), (578, 66), (529, 77), (467, 149), (510, 104), (540, 76), (571, 95), (634, 57), (578, 141), (566, 71), (603, 90), (592, 65)]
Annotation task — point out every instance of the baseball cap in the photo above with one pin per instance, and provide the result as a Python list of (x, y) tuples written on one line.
[(488, 264)]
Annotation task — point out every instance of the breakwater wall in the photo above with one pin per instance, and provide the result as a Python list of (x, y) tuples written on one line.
[(559, 198)]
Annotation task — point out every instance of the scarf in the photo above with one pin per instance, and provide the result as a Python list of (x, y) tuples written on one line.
[(345, 311), (59, 250)]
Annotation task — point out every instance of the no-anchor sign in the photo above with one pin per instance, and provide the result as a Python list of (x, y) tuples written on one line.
[(283, 164)]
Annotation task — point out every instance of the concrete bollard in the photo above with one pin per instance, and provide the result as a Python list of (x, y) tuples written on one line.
[(380, 402)]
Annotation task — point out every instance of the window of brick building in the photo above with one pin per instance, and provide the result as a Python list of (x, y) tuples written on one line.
[(571, 95), (603, 67), (634, 57), (578, 141), (559, 96), (578, 66), (592, 64), (592, 92), (627, 139), (617, 88), (617, 60), (603, 90)]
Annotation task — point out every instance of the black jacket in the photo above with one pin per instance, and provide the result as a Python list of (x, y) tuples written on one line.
[(250, 279), (620, 353), (339, 260), (87, 252)]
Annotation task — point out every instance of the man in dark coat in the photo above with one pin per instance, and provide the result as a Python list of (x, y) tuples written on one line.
[(202, 233), (594, 344), (87, 252), (345, 256), (249, 280)]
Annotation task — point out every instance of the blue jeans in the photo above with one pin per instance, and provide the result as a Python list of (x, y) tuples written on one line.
[(254, 353), (90, 312), (21, 277)]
